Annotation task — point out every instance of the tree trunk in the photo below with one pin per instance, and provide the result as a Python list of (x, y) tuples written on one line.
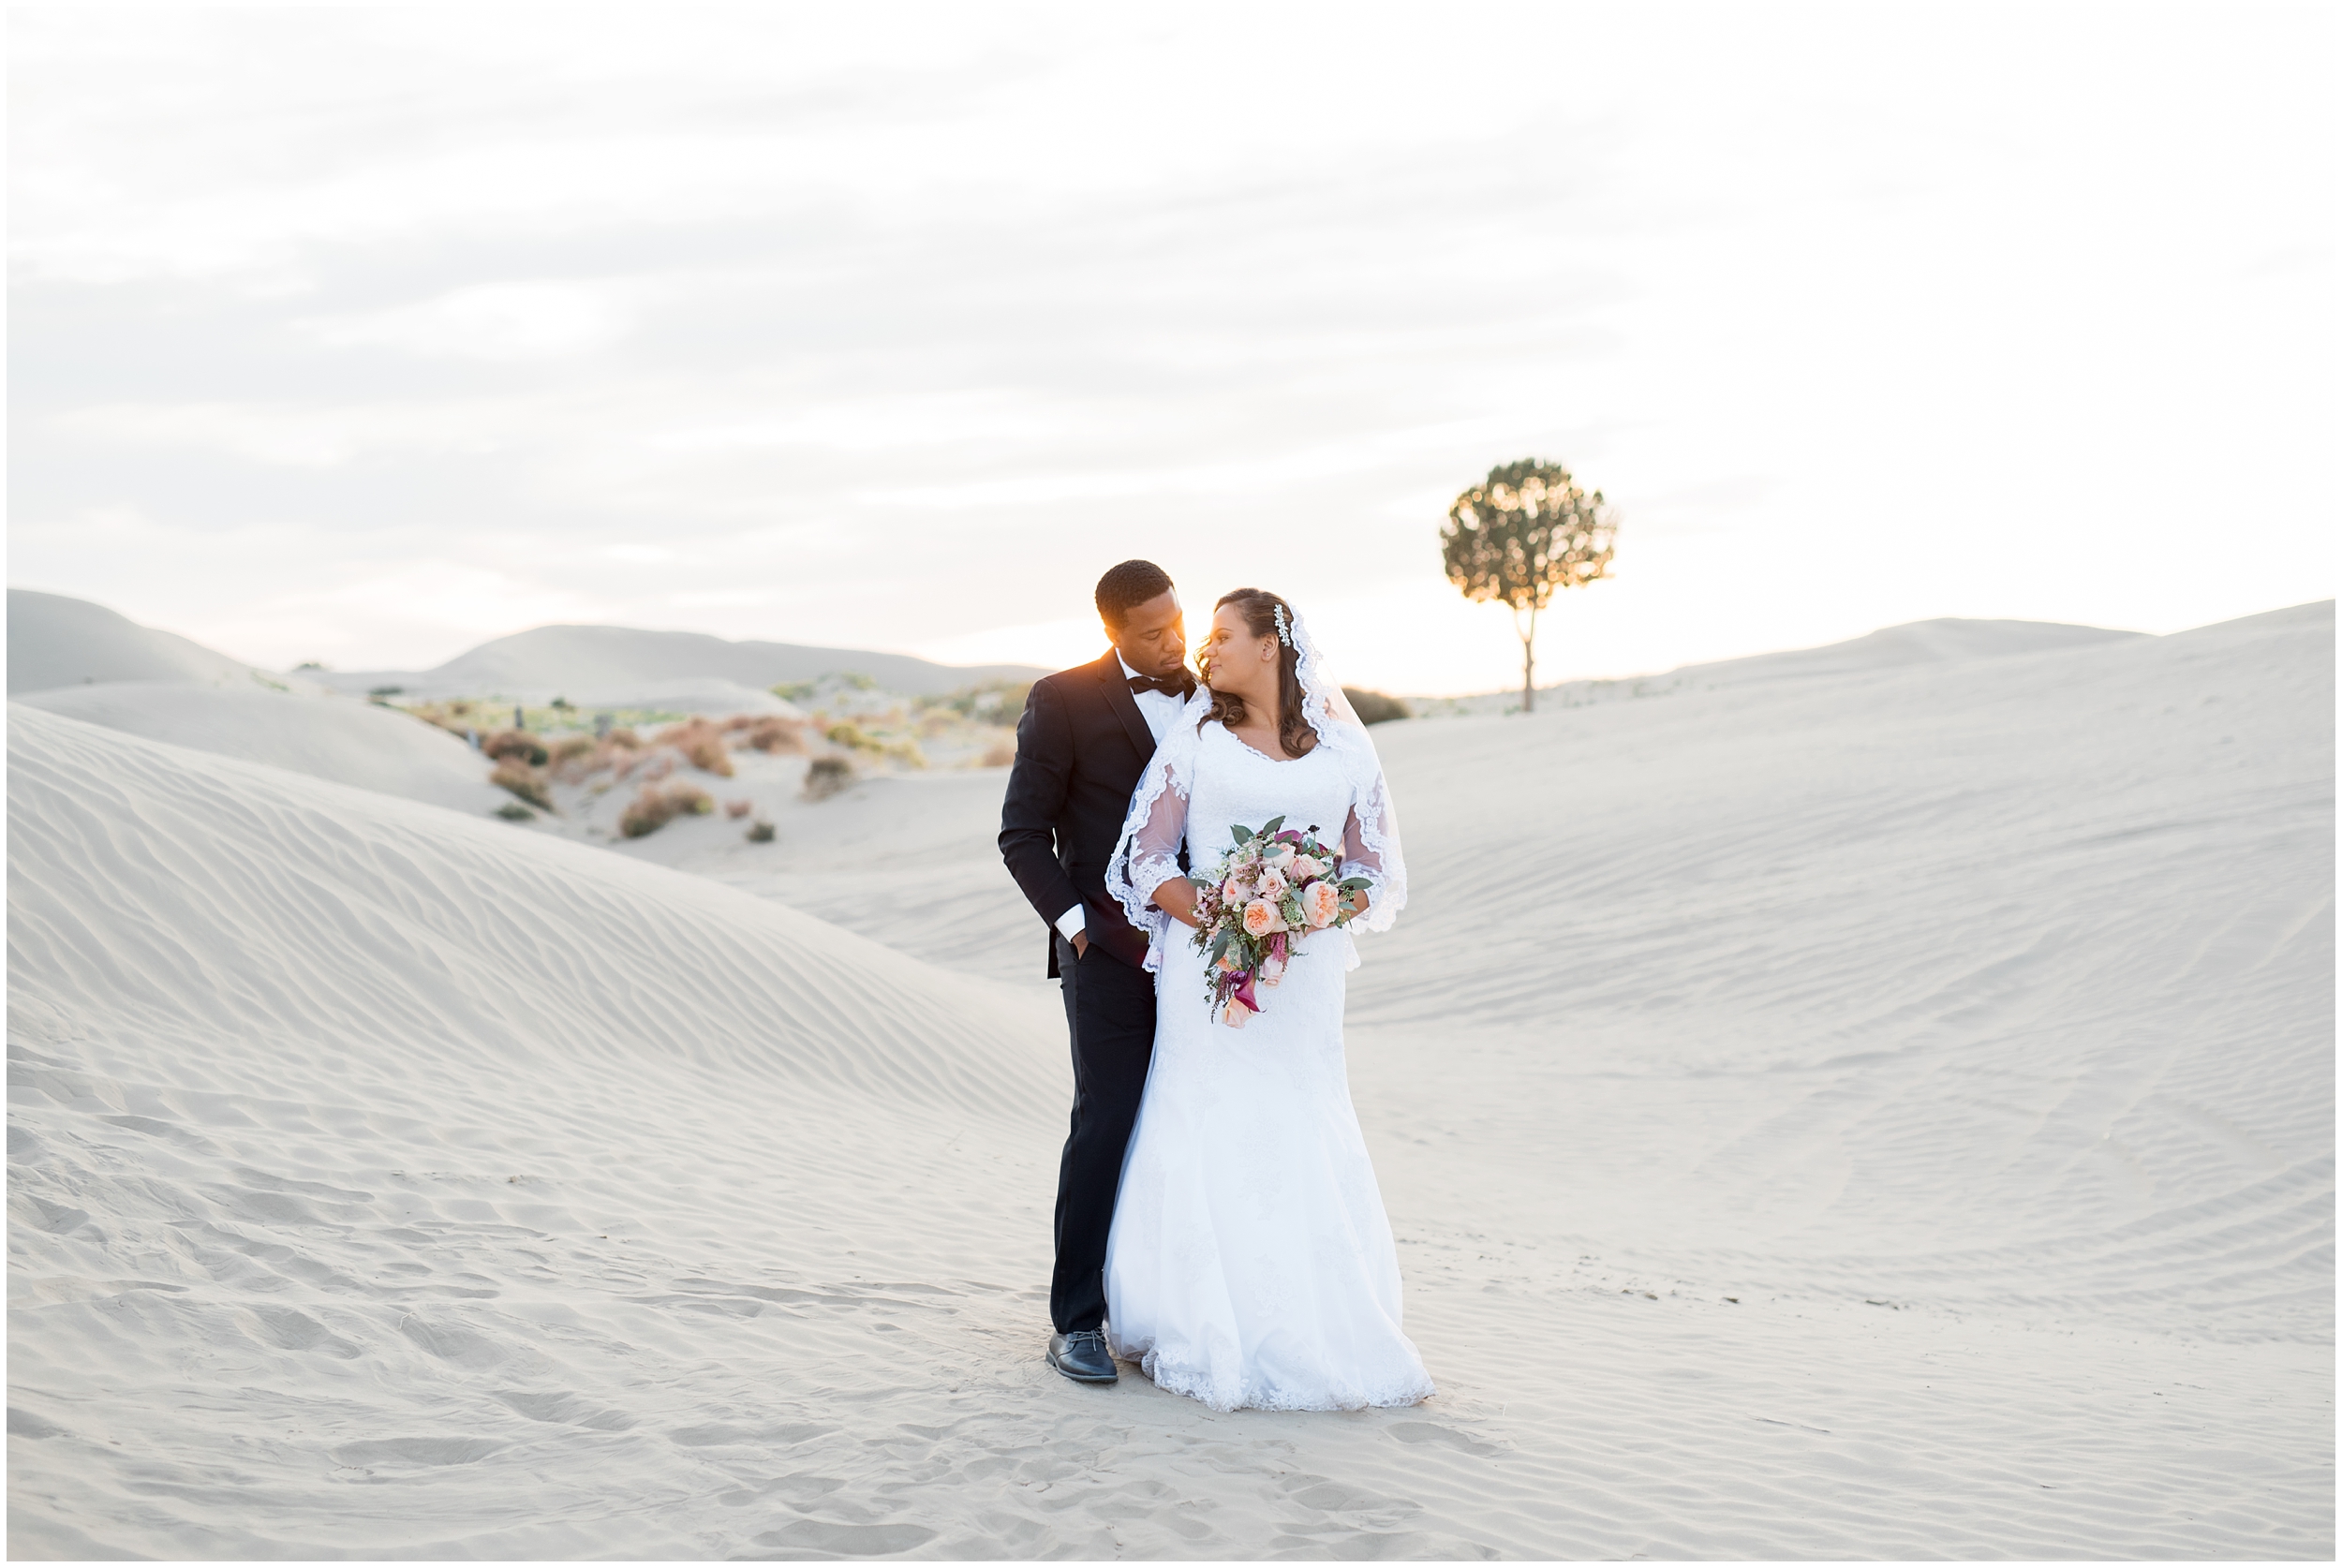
[(1527, 661)]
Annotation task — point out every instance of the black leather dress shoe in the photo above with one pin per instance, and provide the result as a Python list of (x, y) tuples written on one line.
[(1082, 1355)]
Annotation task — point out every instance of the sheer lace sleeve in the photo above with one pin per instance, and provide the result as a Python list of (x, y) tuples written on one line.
[(1153, 844), (1370, 849), (1148, 854)]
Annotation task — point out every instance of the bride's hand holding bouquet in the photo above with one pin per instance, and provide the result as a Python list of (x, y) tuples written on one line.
[(1252, 908)]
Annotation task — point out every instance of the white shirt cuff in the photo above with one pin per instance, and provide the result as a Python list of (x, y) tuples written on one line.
[(1072, 924)]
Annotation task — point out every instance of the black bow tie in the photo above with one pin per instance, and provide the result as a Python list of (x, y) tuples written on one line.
[(1182, 687)]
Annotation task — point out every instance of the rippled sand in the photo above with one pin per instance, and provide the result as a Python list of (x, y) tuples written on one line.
[(1885, 1113)]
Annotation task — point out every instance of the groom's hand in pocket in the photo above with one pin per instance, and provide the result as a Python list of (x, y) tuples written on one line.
[(1081, 944)]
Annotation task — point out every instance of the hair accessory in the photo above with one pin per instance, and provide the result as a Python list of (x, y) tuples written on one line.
[(1284, 633)]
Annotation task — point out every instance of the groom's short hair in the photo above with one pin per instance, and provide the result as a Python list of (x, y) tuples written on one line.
[(1128, 586)]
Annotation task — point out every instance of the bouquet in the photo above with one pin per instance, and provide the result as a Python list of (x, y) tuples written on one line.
[(1253, 907)]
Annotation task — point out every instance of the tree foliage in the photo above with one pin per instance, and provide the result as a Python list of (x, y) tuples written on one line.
[(1520, 535)]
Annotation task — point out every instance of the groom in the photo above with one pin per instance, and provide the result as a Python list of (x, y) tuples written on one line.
[(1085, 738)]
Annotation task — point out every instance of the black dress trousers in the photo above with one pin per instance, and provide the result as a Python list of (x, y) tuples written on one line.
[(1110, 1013)]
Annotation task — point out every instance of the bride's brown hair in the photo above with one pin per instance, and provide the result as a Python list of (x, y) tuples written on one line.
[(1258, 608)]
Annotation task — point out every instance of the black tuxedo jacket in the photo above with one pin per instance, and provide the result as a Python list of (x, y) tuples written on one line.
[(1080, 748)]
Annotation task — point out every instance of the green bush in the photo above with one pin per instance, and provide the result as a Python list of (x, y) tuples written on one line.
[(1373, 707), (825, 776), (990, 703)]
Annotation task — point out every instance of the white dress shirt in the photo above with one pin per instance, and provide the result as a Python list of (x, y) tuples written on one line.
[(1158, 708)]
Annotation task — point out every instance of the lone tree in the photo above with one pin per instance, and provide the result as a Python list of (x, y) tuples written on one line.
[(1517, 535)]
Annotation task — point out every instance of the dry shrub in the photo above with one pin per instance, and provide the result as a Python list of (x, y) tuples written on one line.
[(759, 833), (654, 766), (513, 811), (826, 776), (654, 808), (575, 768), (508, 744), (578, 758), (700, 743), (769, 733), (1000, 754), (735, 810), (522, 780)]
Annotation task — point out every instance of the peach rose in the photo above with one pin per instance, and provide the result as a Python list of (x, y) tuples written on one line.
[(1232, 891), (1261, 918), (1235, 1014), (1320, 903)]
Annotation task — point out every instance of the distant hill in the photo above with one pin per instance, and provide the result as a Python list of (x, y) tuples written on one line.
[(580, 661), (57, 642), (1949, 641)]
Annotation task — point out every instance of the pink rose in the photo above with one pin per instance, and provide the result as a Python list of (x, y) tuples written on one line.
[(1231, 890), (1320, 903), (1272, 883), (1307, 868), (1261, 918), (1235, 1014), (1272, 969)]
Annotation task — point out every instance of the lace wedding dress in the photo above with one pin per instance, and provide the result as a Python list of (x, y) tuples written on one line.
[(1251, 1261)]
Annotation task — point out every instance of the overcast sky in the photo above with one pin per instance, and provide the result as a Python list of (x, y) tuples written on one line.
[(364, 336)]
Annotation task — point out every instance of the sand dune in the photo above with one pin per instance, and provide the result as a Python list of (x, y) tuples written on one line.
[(57, 642), (1881, 1113), (550, 659), (907, 860), (326, 737), (1949, 641), (2008, 992), (150, 682)]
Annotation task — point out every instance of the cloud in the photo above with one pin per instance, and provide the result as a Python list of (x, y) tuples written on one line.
[(892, 327), (501, 322)]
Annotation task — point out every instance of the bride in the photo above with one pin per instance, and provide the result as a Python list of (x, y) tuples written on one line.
[(1249, 1262)]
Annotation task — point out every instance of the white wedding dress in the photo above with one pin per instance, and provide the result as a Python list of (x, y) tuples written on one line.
[(1251, 1263)]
